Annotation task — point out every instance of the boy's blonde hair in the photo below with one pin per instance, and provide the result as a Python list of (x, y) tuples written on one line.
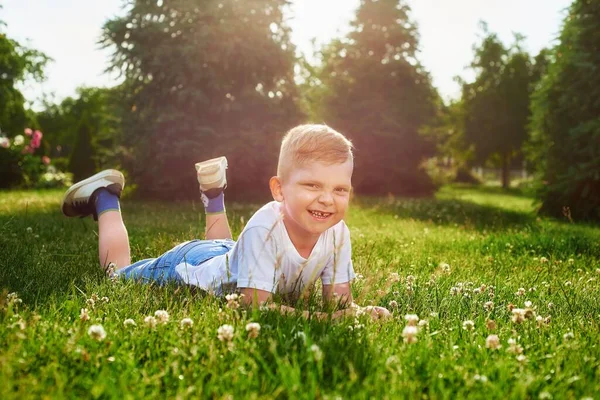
[(312, 142)]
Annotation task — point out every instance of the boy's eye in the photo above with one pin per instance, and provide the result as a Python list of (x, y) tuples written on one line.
[(341, 190), (312, 185)]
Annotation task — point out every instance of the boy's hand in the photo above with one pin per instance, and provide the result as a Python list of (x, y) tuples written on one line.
[(377, 313)]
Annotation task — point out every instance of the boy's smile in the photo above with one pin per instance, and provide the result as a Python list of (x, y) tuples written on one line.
[(315, 198)]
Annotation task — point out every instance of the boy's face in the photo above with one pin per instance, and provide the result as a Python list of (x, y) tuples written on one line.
[(315, 197)]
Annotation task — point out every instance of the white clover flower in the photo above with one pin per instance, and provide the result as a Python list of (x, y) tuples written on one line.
[(568, 283), (29, 229), (18, 140), (571, 261), (598, 271), (186, 323), (490, 324), (94, 297), (410, 279), (550, 306), (568, 336), (454, 291), (393, 304), (411, 319), (150, 321), (232, 301), (513, 347), (528, 304), (518, 315), (162, 316), (225, 333), (423, 323), (97, 332), (317, 353), (521, 358), (409, 333), (300, 335), (91, 303), (492, 342), (394, 277), (129, 322), (468, 325), (445, 268), (488, 305), (543, 260), (13, 298), (520, 292), (83, 314), (253, 328), (105, 299)]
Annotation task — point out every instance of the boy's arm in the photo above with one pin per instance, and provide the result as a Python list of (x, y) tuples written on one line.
[(341, 293), (255, 297)]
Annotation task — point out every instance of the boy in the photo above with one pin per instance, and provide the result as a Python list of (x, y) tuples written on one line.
[(285, 247)]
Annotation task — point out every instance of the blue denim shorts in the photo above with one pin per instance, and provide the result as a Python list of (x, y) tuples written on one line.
[(162, 269)]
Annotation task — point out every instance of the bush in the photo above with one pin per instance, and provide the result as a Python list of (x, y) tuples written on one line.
[(21, 167)]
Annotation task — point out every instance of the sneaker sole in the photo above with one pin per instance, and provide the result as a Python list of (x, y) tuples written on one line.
[(114, 188), (210, 170)]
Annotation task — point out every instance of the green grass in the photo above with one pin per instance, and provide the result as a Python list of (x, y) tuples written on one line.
[(486, 237)]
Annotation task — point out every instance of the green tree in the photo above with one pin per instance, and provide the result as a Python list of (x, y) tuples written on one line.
[(565, 127), (496, 104), (17, 64), (374, 89), (204, 79), (82, 162)]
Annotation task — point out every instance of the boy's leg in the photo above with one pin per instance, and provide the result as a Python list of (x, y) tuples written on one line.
[(99, 196), (213, 181)]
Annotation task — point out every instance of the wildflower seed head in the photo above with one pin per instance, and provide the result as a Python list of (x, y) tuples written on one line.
[(253, 329), (225, 333), (162, 317), (129, 323), (186, 323), (97, 332), (492, 342), (150, 321)]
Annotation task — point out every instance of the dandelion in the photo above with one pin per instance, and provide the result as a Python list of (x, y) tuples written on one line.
[(186, 323), (518, 315), (568, 336), (490, 324), (253, 328), (225, 333), (488, 305), (97, 332), (520, 292), (129, 323), (317, 353), (492, 342), (150, 321), (468, 325), (411, 319), (409, 333), (393, 304), (83, 315), (162, 316)]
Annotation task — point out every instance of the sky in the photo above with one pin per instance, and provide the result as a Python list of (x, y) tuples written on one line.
[(68, 32)]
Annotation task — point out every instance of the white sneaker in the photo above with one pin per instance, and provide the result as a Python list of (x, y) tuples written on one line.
[(77, 200), (212, 176)]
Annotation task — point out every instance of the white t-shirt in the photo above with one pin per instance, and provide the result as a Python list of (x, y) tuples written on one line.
[(264, 258)]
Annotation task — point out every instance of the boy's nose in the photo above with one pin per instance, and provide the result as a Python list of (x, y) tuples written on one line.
[(326, 198)]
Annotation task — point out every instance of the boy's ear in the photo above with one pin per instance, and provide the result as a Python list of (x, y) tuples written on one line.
[(275, 185)]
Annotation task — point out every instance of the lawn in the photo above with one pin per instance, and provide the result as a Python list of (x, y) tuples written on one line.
[(460, 262)]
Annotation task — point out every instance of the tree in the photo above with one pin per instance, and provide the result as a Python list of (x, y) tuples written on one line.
[(82, 162), (565, 128), (496, 104), (375, 90), (203, 80), (17, 64)]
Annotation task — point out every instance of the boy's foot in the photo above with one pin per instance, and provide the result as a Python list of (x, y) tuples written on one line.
[(79, 199), (212, 176)]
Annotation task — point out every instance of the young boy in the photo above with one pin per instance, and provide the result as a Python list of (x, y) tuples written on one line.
[(286, 246)]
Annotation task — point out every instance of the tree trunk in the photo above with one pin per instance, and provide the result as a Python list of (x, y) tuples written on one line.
[(505, 171)]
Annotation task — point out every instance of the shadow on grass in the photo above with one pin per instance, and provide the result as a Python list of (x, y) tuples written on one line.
[(450, 211)]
